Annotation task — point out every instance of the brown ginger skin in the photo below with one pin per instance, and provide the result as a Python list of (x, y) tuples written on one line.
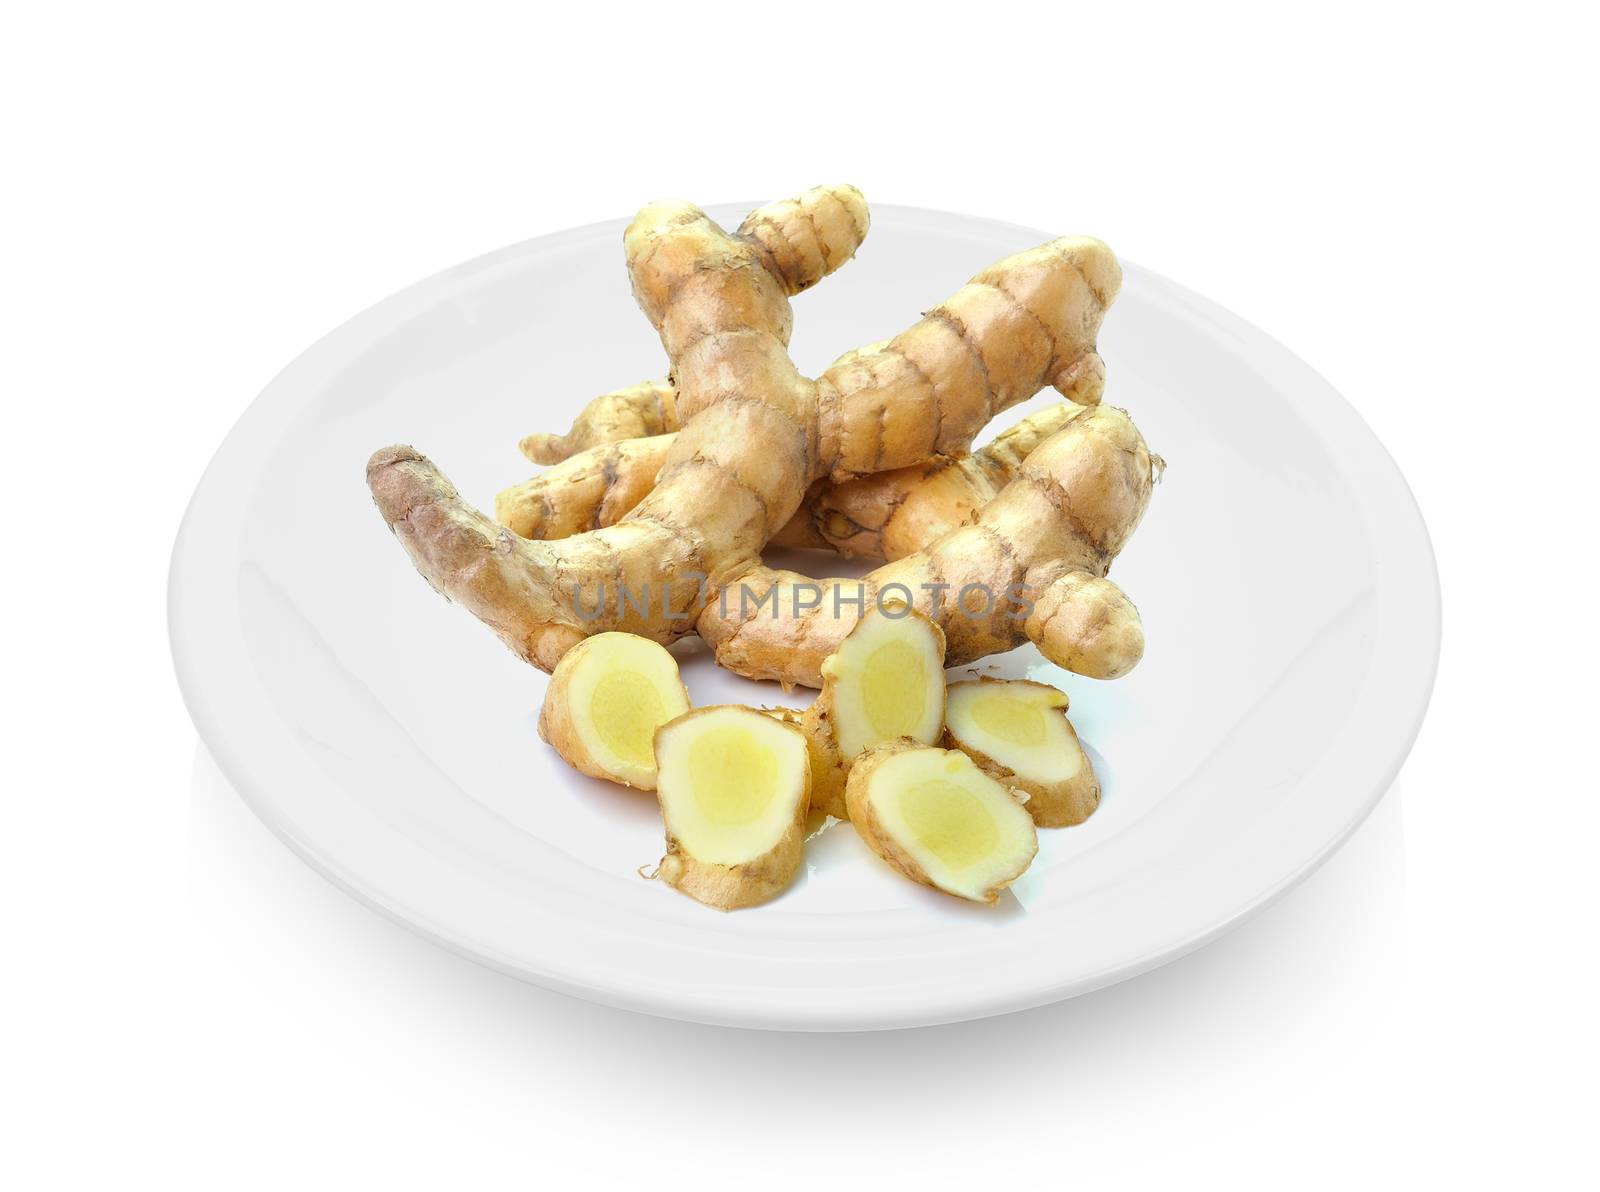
[(894, 514), (756, 434), (829, 766), (734, 887), (593, 488), (1042, 547)]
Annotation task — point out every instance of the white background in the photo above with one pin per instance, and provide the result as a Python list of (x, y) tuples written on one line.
[(194, 193)]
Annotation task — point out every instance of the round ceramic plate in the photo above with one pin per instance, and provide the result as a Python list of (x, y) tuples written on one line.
[(1283, 572)]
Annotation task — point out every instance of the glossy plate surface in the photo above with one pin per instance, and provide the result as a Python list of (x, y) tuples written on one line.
[(1284, 575)]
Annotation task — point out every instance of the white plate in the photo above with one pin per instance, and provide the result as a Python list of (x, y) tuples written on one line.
[(1284, 574)]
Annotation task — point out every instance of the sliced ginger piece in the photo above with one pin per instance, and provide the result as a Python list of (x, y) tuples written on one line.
[(734, 785), (936, 817), (607, 697), (1017, 730), (885, 681)]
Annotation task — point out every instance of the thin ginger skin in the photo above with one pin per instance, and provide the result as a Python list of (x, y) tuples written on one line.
[(756, 434)]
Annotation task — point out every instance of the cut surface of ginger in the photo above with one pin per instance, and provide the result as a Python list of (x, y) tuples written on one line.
[(936, 817), (734, 785), (887, 681), (1017, 730), (607, 698)]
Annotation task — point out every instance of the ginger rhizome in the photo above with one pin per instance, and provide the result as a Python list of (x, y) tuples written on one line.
[(1017, 732), (606, 699), (755, 433), (1032, 568), (938, 819), (722, 301), (884, 516), (734, 786), (885, 682)]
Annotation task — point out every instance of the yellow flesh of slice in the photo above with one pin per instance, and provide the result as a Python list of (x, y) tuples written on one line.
[(1020, 725), (733, 776), (893, 690), (730, 784), (950, 822), (625, 710), (1019, 721), (956, 827), (887, 682)]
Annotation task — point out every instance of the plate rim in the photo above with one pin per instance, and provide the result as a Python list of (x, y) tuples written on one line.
[(192, 570)]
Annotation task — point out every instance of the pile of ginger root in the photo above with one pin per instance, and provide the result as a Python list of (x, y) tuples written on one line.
[(650, 522)]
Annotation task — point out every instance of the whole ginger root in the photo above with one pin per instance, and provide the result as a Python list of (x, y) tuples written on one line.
[(755, 433)]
